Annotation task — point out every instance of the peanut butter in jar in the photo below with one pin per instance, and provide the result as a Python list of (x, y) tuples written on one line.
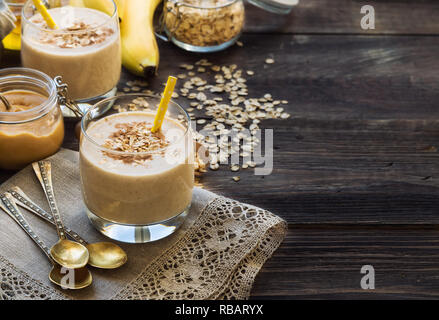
[(33, 128)]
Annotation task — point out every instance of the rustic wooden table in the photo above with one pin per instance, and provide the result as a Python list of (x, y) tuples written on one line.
[(356, 167)]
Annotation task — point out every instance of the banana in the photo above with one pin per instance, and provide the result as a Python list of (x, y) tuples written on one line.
[(105, 6), (140, 53), (77, 3)]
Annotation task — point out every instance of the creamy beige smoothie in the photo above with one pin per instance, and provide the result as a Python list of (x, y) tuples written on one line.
[(85, 50), (134, 186)]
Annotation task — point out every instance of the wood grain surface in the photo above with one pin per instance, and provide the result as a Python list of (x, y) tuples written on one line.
[(344, 16), (356, 167)]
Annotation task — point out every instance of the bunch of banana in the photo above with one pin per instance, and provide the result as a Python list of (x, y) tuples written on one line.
[(140, 53)]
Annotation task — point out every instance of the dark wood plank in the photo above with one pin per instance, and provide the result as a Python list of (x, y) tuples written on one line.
[(345, 174), (344, 16), (331, 77), (361, 146), (334, 77), (322, 263), (315, 185)]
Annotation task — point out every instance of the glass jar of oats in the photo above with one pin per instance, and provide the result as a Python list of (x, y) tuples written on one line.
[(211, 25)]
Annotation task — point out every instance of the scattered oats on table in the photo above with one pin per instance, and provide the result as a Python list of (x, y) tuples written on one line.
[(234, 168), (269, 61), (228, 107)]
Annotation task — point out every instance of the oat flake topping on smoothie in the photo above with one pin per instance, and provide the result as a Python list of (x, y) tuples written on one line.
[(84, 35)]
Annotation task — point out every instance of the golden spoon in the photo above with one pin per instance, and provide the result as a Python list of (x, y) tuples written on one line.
[(69, 254), (104, 255), (81, 278)]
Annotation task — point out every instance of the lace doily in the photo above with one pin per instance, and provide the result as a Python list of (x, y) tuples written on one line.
[(218, 258), (17, 285)]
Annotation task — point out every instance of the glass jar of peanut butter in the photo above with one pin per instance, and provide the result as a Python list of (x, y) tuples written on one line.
[(31, 125)]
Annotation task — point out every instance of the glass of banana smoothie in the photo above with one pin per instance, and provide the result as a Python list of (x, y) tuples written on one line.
[(137, 185), (85, 49)]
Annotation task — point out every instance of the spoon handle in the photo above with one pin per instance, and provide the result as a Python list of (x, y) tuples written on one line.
[(5, 102), (8, 205), (43, 171), (24, 201)]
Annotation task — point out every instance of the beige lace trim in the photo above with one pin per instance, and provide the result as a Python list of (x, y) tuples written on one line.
[(218, 258), (18, 285)]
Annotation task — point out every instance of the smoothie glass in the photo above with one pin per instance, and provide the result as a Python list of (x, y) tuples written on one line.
[(85, 51), (136, 197)]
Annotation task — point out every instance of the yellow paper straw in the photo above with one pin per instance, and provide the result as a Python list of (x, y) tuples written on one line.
[(163, 107), (47, 17)]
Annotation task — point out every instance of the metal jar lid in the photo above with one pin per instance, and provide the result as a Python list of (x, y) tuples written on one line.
[(275, 6), (64, 100)]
